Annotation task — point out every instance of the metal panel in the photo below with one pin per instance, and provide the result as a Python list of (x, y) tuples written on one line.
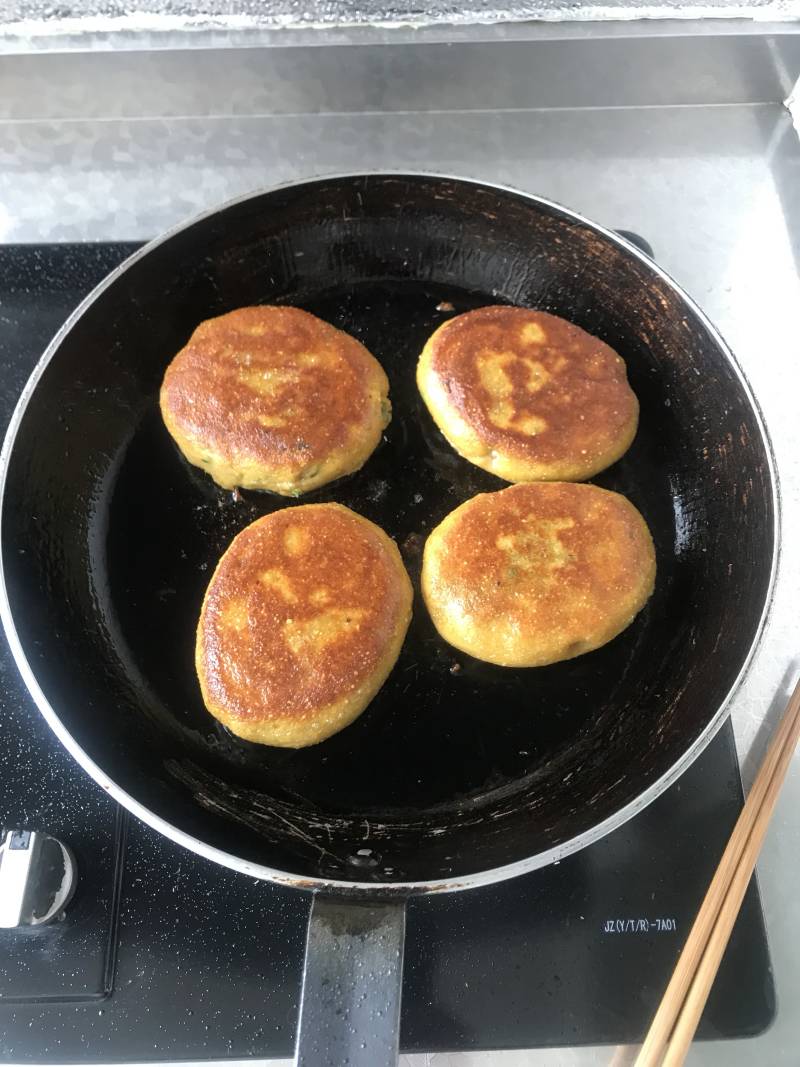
[(616, 71)]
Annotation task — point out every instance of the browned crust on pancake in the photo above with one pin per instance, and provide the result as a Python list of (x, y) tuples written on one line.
[(275, 398), (301, 624), (527, 394), (538, 573)]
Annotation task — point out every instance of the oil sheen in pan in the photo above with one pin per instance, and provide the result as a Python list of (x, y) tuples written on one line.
[(445, 729)]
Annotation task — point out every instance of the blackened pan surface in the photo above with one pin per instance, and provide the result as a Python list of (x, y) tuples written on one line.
[(458, 768)]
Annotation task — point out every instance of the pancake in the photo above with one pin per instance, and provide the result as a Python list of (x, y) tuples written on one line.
[(274, 398), (537, 573), (301, 624), (527, 395)]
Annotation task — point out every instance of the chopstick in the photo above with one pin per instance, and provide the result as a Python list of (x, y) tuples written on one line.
[(674, 1024)]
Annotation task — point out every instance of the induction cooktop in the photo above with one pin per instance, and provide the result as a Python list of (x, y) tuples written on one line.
[(161, 955)]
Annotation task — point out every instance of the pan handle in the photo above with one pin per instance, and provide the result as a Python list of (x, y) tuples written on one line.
[(350, 1007)]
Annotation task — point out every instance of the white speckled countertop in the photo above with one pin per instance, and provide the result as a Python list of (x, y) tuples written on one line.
[(707, 169), (31, 24)]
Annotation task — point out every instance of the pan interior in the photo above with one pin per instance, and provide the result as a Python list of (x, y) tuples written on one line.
[(110, 537)]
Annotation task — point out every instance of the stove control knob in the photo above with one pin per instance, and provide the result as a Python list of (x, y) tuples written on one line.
[(37, 878)]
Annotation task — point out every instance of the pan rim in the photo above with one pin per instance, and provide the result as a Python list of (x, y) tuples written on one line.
[(479, 878)]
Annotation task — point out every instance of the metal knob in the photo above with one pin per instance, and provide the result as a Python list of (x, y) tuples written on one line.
[(37, 878)]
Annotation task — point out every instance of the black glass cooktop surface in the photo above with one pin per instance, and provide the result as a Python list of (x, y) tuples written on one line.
[(162, 955)]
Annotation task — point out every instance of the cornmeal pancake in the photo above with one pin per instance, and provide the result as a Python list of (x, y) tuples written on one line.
[(274, 398), (527, 395), (301, 624), (537, 573)]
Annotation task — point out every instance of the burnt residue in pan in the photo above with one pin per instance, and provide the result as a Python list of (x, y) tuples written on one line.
[(457, 765)]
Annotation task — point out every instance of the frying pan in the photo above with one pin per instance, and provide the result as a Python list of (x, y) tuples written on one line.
[(460, 773)]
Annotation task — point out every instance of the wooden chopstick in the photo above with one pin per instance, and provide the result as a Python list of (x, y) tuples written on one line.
[(675, 1022)]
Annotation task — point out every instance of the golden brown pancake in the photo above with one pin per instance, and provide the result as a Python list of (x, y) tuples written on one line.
[(301, 624), (274, 398), (527, 395), (537, 573)]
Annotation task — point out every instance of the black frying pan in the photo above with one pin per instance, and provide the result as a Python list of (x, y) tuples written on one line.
[(460, 773)]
